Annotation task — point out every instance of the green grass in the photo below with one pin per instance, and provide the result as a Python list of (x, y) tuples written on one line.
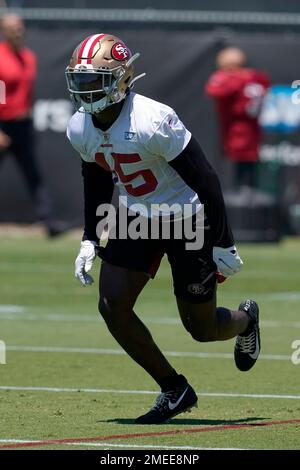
[(38, 275)]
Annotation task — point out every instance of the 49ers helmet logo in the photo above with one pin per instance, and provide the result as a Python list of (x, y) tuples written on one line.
[(119, 51)]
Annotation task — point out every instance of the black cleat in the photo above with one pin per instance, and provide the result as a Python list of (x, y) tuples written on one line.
[(247, 345), (169, 404)]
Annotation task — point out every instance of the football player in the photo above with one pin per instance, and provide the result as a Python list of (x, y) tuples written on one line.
[(143, 146)]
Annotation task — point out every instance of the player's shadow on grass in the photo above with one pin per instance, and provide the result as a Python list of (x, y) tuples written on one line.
[(192, 421)]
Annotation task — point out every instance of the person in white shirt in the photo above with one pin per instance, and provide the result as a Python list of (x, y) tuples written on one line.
[(142, 146)]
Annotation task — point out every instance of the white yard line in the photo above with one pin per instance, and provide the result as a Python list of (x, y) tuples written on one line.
[(141, 392), (127, 446), (11, 309), (24, 267), (145, 446), (18, 441), (18, 313), (120, 352), (286, 296)]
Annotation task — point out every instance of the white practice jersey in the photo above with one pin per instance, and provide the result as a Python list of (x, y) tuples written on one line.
[(137, 148)]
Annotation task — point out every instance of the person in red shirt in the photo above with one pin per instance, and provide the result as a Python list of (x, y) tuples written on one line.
[(238, 92), (17, 76)]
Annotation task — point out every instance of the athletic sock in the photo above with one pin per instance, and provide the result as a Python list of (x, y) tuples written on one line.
[(172, 381), (249, 328)]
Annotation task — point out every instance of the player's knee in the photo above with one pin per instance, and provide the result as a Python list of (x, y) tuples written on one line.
[(112, 310), (103, 308), (108, 307)]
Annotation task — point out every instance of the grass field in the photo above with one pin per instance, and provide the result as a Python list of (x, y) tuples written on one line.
[(66, 378)]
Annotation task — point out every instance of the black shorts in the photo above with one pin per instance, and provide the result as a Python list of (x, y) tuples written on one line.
[(193, 271)]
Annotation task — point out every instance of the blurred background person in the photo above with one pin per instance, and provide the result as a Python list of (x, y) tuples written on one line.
[(238, 92), (18, 72)]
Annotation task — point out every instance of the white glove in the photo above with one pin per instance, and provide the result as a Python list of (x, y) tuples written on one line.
[(84, 262), (227, 260)]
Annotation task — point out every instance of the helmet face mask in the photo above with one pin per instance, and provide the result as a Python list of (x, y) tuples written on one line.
[(91, 89), (100, 73)]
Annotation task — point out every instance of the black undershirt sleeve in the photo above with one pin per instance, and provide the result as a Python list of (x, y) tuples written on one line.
[(98, 188), (198, 174)]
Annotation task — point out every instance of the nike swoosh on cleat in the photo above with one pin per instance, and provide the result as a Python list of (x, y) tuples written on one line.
[(256, 352), (173, 405)]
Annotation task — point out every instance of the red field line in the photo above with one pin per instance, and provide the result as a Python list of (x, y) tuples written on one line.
[(145, 434)]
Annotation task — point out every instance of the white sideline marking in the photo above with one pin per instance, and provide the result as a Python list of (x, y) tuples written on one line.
[(17, 441), (106, 444), (149, 446), (8, 313), (120, 352), (280, 296), (140, 392), (7, 308)]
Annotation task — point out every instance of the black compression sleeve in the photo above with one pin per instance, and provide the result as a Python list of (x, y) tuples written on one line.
[(198, 174), (98, 189)]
